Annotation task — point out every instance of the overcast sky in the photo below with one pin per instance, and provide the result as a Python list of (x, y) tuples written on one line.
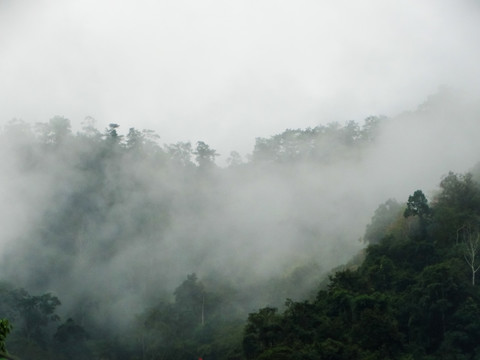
[(227, 71)]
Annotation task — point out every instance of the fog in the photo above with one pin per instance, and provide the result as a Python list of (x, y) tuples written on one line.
[(123, 231), (120, 229), (226, 73)]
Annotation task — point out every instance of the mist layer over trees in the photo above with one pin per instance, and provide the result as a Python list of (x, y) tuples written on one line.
[(108, 228)]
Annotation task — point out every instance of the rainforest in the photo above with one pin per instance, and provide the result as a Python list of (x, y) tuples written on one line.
[(340, 241), (239, 180)]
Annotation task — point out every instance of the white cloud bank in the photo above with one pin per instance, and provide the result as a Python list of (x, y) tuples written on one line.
[(228, 71)]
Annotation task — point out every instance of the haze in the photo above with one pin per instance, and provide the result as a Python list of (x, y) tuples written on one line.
[(227, 72)]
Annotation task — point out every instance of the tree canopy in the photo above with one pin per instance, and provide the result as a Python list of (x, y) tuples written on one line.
[(123, 203)]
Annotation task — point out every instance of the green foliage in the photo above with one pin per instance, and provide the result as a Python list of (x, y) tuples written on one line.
[(382, 221), (32, 318), (417, 205), (411, 298), (71, 341), (204, 155), (5, 329), (194, 325), (56, 131), (322, 144), (181, 153), (262, 333), (457, 206)]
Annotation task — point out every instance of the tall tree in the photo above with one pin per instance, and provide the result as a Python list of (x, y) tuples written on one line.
[(204, 155), (382, 220), (190, 301), (471, 247), (55, 131), (417, 205)]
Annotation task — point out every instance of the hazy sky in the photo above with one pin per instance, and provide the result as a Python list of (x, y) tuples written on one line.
[(226, 72)]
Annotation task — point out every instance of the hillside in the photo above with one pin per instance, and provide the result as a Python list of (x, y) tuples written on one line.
[(116, 246), (415, 296)]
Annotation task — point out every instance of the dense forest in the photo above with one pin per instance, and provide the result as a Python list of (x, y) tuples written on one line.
[(116, 246), (414, 296)]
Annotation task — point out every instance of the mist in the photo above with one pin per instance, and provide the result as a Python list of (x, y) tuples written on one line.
[(227, 73), (112, 229), (120, 229)]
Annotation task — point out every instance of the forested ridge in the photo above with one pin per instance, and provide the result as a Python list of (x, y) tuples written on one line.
[(414, 296), (119, 247)]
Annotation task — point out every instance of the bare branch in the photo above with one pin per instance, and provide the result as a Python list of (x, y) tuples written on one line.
[(471, 245)]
